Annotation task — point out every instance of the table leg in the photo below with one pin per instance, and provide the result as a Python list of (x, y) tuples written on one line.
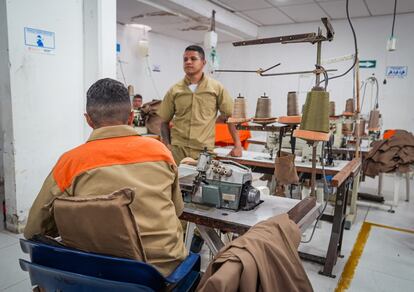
[(335, 242), (407, 187), (189, 233), (396, 192), (380, 179), (338, 224), (211, 238), (353, 206)]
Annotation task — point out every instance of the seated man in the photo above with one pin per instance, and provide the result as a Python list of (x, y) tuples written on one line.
[(115, 157)]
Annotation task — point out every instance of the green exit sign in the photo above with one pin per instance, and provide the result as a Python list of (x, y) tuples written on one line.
[(367, 63)]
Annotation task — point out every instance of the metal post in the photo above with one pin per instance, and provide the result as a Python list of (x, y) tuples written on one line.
[(313, 178), (318, 57), (355, 186), (407, 187)]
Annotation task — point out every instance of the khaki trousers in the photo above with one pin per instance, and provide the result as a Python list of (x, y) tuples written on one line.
[(181, 152)]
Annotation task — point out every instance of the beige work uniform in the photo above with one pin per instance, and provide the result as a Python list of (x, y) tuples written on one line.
[(194, 115), (114, 158)]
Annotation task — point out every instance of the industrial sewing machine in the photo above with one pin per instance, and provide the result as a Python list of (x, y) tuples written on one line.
[(273, 143), (223, 184)]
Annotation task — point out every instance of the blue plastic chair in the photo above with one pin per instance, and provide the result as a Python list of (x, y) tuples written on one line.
[(57, 280), (48, 258)]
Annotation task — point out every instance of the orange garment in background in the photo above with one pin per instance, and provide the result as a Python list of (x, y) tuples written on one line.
[(223, 136), (389, 133)]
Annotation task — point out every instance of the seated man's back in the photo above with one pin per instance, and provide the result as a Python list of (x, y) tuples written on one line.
[(116, 157)]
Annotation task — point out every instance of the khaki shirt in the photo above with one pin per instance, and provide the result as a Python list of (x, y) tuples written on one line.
[(194, 114), (114, 158)]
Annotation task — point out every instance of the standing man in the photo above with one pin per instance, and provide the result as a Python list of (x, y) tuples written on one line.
[(192, 105)]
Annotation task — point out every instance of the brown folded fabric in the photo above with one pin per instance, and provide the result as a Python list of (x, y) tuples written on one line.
[(371, 169), (404, 168), (285, 170), (407, 154), (387, 156), (263, 259), (152, 120), (401, 138), (376, 145), (393, 154)]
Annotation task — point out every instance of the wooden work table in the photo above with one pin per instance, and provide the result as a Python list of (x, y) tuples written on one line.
[(303, 212), (343, 173), (261, 162)]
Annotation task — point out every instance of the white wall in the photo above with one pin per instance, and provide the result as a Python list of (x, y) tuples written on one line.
[(43, 104), (46, 98), (99, 43), (5, 100), (395, 98), (396, 102), (164, 51)]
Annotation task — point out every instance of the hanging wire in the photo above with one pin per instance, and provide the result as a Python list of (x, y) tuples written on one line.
[(325, 75), (364, 85), (325, 188), (392, 36), (393, 20), (152, 77), (122, 71), (355, 45), (373, 80), (376, 95)]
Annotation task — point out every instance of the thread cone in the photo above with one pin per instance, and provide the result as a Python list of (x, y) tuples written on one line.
[(316, 111)]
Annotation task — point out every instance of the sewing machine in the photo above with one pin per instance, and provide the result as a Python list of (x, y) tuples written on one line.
[(223, 184), (335, 127), (272, 144)]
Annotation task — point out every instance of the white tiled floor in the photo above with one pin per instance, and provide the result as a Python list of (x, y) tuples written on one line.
[(12, 278), (386, 263)]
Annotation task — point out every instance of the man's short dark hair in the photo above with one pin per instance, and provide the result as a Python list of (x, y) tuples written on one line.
[(196, 49), (137, 96), (108, 103)]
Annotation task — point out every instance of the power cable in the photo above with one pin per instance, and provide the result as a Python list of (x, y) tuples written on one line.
[(325, 187), (122, 71), (152, 77), (355, 45), (393, 20)]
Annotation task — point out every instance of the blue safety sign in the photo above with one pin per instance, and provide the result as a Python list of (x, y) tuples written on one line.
[(396, 71), (39, 40)]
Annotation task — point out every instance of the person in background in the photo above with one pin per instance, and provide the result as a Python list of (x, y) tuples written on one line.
[(136, 107), (137, 102), (113, 158), (192, 105)]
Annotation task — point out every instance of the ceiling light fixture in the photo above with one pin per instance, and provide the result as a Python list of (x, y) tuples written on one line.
[(143, 27)]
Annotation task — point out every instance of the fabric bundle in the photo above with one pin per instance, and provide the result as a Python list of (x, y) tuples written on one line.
[(390, 155), (285, 170), (264, 259), (150, 116)]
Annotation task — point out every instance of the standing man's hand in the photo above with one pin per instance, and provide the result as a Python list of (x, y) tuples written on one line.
[(237, 151), (165, 134)]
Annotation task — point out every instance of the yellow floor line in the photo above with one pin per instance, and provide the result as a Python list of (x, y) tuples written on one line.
[(391, 227), (350, 266)]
